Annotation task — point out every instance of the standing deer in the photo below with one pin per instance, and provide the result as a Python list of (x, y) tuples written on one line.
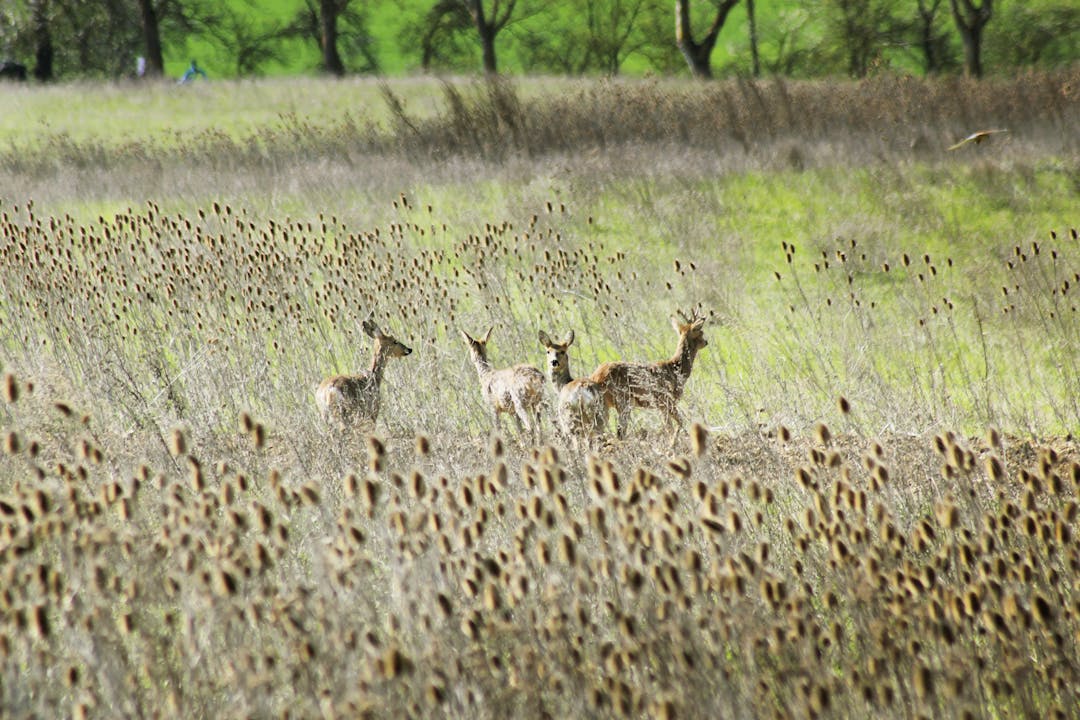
[(653, 385), (580, 410), (349, 400), (518, 390)]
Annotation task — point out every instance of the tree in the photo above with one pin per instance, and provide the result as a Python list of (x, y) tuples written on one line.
[(970, 19), (863, 28), (751, 22), (614, 31), (100, 38), (931, 42), (41, 25), (249, 43), (698, 54), (339, 28), (787, 43), (444, 23), (488, 24), (1029, 34), (592, 35), (155, 61), (329, 10)]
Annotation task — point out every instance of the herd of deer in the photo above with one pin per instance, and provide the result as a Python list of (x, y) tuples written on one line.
[(583, 404)]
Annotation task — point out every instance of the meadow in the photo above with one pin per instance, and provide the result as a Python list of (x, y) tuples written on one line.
[(871, 512)]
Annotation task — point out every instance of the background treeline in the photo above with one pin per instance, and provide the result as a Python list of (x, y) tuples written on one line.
[(58, 39)]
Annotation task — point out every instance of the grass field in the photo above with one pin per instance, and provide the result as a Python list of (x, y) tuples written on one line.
[(871, 512)]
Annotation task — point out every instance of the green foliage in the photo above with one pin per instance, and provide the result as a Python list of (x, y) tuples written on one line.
[(635, 37), (98, 39), (1036, 34)]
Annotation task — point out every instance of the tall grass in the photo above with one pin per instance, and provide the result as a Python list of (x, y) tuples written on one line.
[(252, 124), (872, 514)]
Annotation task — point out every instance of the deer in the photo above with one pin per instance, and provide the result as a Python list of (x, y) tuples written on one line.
[(656, 385), (518, 389), (580, 411), (351, 400)]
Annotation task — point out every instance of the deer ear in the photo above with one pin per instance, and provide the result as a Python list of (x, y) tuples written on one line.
[(676, 324), (487, 335), (370, 328), (544, 339), (465, 335), (569, 339)]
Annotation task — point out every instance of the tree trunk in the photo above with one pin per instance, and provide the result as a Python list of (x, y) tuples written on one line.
[(699, 54), (972, 39), (155, 62), (487, 42), (328, 18), (488, 28), (751, 21), (43, 44), (970, 21), (927, 14)]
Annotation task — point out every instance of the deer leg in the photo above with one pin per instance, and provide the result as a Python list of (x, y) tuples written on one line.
[(520, 415), (521, 428), (675, 425), (624, 420), (563, 423)]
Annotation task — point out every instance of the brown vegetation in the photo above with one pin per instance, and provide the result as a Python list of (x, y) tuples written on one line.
[(180, 537), (883, 577)]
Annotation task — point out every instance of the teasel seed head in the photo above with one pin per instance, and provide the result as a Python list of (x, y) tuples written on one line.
[(924, 682), (376, 454), (699, 439), (11, 388), (177, 442), (680, 467), (1041, 609), (258, 436)]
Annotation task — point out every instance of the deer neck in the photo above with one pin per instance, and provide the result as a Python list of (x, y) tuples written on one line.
[(561, 377), (482, 364), (683, 362), (378, 364)]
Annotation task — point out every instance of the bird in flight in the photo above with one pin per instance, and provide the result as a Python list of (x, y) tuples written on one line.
[(976, 137)]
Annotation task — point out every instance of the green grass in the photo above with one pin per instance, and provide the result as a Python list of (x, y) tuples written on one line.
[(112, 114), (728, 213)]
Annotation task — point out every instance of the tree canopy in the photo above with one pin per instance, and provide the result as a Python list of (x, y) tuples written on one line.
[(811, 38)]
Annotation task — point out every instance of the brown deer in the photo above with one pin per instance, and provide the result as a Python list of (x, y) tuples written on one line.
[(351, 400), (653, 385), (518, 389), (580, 411)]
